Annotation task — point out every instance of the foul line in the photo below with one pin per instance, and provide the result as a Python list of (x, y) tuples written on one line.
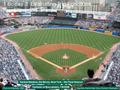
[(74, 66), (45, 60)]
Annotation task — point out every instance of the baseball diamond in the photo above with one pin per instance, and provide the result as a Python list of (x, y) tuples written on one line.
[(63, 53)]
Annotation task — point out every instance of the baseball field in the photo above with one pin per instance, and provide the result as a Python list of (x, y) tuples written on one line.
[(63, 53)]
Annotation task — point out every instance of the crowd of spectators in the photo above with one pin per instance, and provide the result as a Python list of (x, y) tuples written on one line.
[(2, 13), (9, 65), (115, 14), (10, 68), (34, 20), (96, 24), (7, 29), (114, 73)]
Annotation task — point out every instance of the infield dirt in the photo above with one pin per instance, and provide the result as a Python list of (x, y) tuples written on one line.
[(88, 51)]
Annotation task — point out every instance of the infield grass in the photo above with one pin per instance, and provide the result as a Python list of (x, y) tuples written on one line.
[(56, 57)]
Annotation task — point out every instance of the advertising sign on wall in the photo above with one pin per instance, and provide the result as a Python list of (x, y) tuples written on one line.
[(26, 13)]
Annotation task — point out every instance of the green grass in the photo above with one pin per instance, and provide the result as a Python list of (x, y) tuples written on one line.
[(56, 57), (27, 40)]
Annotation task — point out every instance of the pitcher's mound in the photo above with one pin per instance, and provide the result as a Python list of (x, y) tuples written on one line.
[(65, 56)]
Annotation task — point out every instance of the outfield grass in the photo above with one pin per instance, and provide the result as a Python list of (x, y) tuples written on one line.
[(56, 57), (27, 40)]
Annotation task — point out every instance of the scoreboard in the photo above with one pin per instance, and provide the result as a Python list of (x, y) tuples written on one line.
[(60, 13), (65, 14), (85, 16), (69, 15)]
